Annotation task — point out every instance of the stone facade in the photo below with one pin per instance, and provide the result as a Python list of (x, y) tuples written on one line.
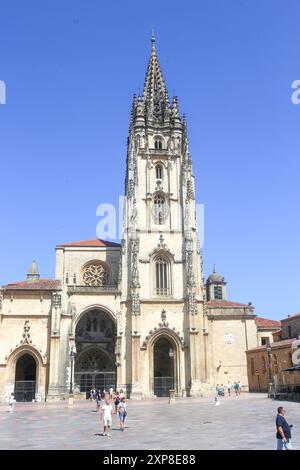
[(135, 315), (267, 365), (266, 329)]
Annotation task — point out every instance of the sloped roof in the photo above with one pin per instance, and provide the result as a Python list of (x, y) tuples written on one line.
[(224, 304), (41, 284), (289, 317), (275, 345), (266, 323), (90, 243)]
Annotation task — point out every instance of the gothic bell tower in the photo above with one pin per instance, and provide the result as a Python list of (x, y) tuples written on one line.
[(161, 276)]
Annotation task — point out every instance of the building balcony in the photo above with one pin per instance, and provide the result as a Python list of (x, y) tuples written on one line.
[(159, 152)]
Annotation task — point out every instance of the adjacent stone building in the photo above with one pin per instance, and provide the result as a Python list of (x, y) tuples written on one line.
[(268, 364), (266, 329), (136, 315)]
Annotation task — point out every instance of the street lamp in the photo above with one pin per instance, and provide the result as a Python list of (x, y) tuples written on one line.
[(72, 358), (269, 351), (171, 356), (172, 391)]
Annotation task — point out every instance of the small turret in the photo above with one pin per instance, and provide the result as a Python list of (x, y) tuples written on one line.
[(216, 286), (33, 272), (140, 120), (175, 113)]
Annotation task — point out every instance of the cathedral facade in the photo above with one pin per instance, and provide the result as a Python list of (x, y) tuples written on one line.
[(136, 315)]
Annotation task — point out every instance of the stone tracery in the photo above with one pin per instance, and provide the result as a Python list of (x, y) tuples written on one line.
[(95, 275)]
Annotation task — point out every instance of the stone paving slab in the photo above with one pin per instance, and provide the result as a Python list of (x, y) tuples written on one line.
[(245, 422)]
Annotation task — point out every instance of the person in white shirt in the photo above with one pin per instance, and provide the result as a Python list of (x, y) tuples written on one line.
[(10, 401), (229, 387), (106, 414)]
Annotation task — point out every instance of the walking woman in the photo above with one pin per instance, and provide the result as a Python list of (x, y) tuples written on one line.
[(122, 410)]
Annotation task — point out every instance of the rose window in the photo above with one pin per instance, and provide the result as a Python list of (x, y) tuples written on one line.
[(95, 275)]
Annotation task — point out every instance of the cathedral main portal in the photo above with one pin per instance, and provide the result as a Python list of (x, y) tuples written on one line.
[(164, 380), (95, 364)]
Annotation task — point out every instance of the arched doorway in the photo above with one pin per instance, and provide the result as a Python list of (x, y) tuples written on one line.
[(25, 379), (164, 367), (95, 363)]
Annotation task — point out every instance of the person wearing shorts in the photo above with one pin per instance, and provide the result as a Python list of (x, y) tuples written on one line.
[(122, 410), (106, 414)]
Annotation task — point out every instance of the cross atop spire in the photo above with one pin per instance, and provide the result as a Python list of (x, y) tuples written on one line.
[(153, 39)]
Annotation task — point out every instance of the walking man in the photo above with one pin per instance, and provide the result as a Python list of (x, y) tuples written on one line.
[(283, 435), (106, 414), (229, 388)]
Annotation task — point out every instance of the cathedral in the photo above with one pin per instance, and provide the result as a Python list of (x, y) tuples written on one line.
[(138, 315)]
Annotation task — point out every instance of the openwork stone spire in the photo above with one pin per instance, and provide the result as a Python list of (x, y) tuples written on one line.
[(155, 95)]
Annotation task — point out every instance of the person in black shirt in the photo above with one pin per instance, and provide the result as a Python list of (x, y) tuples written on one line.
[(283, 434)]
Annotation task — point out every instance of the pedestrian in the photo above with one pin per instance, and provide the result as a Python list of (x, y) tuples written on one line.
[(229, 388), (111, 391), (10, 401), (122, 394), (240, 387), (106, 415), (98, 400), (91, 394), (122, 410), (117, 400), (217, 400), (283, 435), (236, 388)]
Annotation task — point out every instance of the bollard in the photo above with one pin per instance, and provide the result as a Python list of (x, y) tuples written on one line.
[(71, 401), (172, 397)]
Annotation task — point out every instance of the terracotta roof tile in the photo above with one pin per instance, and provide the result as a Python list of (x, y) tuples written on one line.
[(90, 243), (267, 323), (41, 284), (275, 345)]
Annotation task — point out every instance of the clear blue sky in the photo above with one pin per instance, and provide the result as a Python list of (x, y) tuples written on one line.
[(71, 68)]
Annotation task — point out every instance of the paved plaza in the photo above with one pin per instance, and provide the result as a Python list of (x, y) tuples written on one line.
[(245, 422)]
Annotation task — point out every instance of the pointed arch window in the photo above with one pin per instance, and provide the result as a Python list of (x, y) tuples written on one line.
[(162, 276), (159, 172), (160, 209), (158, 144)]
